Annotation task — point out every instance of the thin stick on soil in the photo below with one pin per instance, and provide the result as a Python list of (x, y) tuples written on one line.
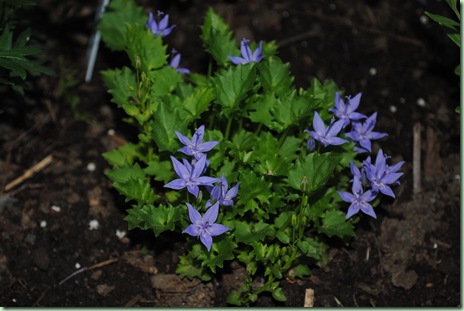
[(416, 159), (30, 172), (97, 265)]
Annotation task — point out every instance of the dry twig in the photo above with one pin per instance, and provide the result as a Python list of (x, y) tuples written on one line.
[(30, 172)]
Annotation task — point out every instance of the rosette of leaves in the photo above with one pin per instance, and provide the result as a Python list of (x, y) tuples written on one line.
[(287, 209), (18, 58)]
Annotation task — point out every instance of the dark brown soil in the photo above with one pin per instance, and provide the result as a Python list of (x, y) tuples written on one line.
[(408, 257)]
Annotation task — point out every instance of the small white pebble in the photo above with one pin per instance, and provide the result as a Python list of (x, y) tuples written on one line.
[(393, 109), (457, 177), (435, 245), (111, 132), (421, 102), (402, 100), (14, 300), (372, 71), (91, 167), (423, 19), (56, 208), (43, 224), (94, 224), (120, 234), (77, 265)]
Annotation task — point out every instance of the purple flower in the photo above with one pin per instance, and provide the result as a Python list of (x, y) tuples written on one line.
[(190, 176), (247, 55), (222, 194), (380, 175), (347, 112), (196, 147), (160, 28), (359, 200), (205, 227), (174, 63), (327, 136), (363, 133)]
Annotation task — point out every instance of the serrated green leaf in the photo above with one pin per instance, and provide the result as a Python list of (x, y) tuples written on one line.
[(144, 49), (126, 154), (167, 121), (198, 102), (275, 76), (231, 86), (253, 187), (113, 23), (188, 267), (121, 84), (217, 38), (313, 171), (123, 173), (221, 250), (138, 190), (159, 219), (160, 170), (249, 232), (164, 81), (335, 224)]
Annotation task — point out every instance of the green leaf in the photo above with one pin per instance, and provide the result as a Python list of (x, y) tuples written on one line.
[(123, 155), (253, 188), (278, 294), (275, 76), (124, 173), (198, 102), (217, 38), (121, 84), (249, 232), (444, 21), (313, 171), (145, 50), (164, 81), (167, 121), (189, 267), (138, 190), (335, 224), (160, 170), (301, 271), (221, 250), (113, 23), (283, 236), (310, 248), (232, 86), (159, 219)]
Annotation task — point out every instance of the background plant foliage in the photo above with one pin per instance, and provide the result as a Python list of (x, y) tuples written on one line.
[(18, 58), (287, 209)]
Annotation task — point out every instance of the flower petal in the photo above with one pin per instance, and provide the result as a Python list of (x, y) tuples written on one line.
[(194, 215), (218, 229), (212, 214), (207, 240)]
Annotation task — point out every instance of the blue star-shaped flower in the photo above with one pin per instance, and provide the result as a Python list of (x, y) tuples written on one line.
[(247, 55), (190, 176), (222, 194), (205, 227), (363, 133), (327, 136), (347, 112), (380, 175), (196, 147), (359, 199), (160, 28)]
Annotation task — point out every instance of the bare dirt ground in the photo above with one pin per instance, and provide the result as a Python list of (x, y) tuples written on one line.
[(67, 217)]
